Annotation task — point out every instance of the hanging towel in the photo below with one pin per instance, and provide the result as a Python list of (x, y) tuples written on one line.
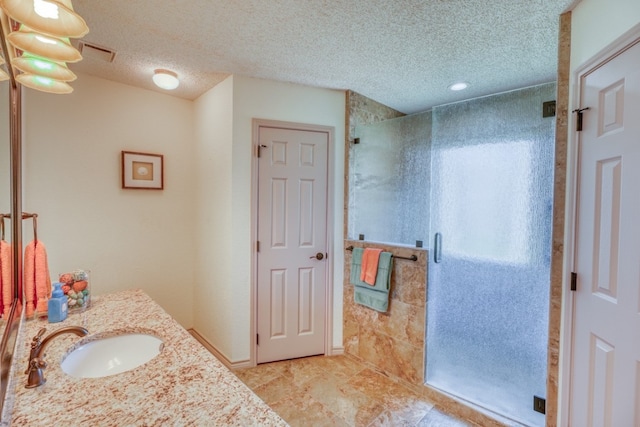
[(6, 288), (36, 278), (376, 296), (369, 267)]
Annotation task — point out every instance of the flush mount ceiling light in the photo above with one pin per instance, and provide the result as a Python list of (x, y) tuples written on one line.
[(44, 84), (53, 48), (43, 67), (165, 79), (52, 17), (459, 86)]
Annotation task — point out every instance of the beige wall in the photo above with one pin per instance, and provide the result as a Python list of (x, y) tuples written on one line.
[(188, 246), (224, 286), (71, 157)]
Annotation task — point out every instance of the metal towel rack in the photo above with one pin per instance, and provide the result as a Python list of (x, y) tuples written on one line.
[(411, 258), (34, 216)]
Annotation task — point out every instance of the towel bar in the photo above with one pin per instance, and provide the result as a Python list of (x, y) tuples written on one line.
[(411, 258)]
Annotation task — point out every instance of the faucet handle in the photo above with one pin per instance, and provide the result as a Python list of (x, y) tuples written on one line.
[(36, 339), (35, 344)]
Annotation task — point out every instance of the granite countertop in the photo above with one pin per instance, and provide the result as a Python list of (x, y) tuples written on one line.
[(184, 385)]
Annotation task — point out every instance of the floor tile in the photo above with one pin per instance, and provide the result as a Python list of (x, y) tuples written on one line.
[(404, 403), (274, 390), (435, 418), (340, 391), (302, 410), (343, 400), (260, 374)]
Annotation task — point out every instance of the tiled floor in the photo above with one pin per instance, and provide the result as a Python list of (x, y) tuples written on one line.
[(339, 391)]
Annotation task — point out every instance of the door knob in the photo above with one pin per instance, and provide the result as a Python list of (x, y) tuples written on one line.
[(317, 256)]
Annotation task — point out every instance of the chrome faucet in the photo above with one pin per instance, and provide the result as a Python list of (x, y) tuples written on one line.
[(36, 357)]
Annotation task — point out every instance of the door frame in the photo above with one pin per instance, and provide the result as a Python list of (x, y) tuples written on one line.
[(614, 49), (256, 124)]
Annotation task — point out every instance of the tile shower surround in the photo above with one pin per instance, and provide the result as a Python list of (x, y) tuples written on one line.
[(361, 110), (393, 342)]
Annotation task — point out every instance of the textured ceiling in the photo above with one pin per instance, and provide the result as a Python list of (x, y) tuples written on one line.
[(403, 54)]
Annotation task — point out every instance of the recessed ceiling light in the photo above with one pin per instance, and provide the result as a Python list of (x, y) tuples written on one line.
[(459, 86), (165, 79)]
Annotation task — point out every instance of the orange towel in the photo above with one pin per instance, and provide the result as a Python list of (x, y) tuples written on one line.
[(5, 278), (37, 282), (369, 268)]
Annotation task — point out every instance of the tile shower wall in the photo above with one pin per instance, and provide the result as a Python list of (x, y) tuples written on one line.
[(392, 342)]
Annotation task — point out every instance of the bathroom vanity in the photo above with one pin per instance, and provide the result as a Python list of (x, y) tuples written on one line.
[(183, 385)]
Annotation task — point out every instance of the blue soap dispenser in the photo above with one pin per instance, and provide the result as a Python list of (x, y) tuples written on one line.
[(57, 307)]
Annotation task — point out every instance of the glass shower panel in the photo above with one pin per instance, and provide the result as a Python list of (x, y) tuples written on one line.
[(390, 173), (487, 317)]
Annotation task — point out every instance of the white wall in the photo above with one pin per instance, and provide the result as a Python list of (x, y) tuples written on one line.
[(255, 98), (594, 25), (214, 292), (127, 238), (597, 23)]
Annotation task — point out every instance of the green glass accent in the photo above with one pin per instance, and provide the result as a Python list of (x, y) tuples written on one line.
[(45, 81), (43, 65)]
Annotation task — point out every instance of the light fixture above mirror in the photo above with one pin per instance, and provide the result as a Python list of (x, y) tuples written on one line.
[(38, 48), (57, 49), (55, 18)]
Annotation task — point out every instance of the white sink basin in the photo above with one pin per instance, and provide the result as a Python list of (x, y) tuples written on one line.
[(111, 355)]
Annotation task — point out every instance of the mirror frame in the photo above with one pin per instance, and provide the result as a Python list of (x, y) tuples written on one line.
[(9, 337)]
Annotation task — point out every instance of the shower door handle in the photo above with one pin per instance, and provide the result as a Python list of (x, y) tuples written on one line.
[(437, 248)]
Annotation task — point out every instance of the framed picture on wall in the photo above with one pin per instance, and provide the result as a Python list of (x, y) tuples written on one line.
[(142, 171)]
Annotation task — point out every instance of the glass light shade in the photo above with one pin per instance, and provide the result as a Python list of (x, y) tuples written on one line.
[(49, 17), (44, 84), (48, 47), (43, 67), (3, 75), (165, 79)]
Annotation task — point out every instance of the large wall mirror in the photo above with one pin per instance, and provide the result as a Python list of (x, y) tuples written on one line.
[(10, 220)]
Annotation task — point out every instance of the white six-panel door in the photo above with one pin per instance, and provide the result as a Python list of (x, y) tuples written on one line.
[(292, 235), (605, 371)]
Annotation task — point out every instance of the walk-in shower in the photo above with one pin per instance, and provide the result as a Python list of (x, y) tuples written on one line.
[(478, 175)]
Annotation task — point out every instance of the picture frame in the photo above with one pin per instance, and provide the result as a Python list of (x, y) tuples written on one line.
[(142, 171)]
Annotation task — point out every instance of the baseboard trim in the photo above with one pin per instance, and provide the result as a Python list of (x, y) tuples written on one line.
[(337, 351), (221, 357)]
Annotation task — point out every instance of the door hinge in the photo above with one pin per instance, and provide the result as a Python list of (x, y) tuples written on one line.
[(257, 339), (258, 151), (548, 109), (257, 245), (540, 404), (574, 281), (579, 117)]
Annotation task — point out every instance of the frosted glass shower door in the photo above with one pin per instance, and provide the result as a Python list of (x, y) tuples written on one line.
[(487, 317)]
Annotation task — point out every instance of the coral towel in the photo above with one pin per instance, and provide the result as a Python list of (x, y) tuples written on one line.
[(369, 270), (37, 282), (5, 278)]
